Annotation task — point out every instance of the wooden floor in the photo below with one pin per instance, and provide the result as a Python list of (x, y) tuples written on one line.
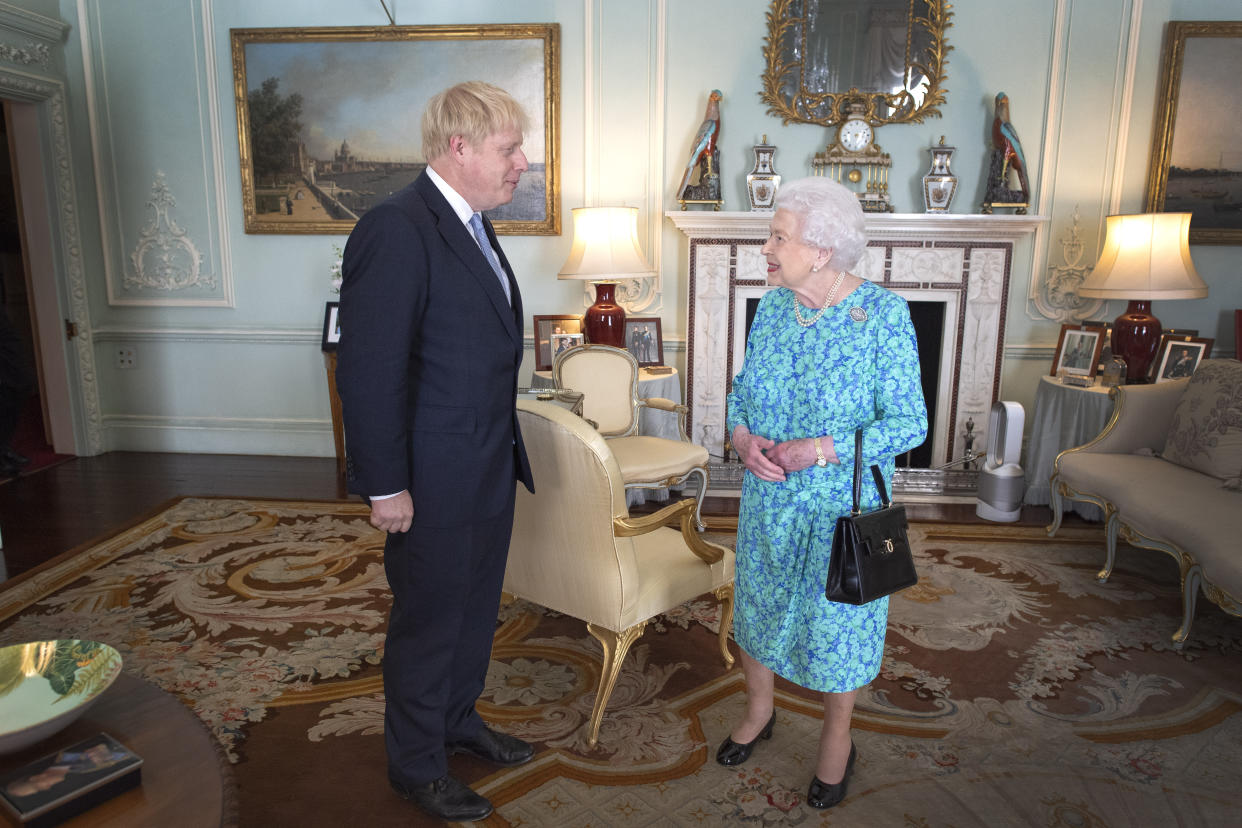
[(88, 499)]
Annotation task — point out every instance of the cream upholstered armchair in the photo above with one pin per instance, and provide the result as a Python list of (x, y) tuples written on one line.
[(576, 550), (608, 379)]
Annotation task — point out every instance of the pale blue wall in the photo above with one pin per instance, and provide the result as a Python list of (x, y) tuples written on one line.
[(246, 376)]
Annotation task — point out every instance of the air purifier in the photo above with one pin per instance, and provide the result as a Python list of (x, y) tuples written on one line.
[(1001, 481)]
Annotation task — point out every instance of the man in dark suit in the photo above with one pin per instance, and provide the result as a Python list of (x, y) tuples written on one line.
[(431, 342)]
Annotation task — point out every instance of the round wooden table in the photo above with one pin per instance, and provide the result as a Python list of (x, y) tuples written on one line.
[(186, 780)]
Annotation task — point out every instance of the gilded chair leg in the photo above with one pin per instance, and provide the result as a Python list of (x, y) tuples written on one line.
[(724, 595), (698, 501), (1112, 525), (1190, 596), (1055, 504), (616, 645)]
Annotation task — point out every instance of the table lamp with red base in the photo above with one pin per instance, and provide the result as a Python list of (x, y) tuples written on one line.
[(605, 251), (1145, 257)]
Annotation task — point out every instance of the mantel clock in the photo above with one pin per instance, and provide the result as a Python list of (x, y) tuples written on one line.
[(856, 160)]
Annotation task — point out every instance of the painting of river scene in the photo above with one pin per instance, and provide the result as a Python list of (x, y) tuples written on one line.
[(329, 120), (1197, 158)]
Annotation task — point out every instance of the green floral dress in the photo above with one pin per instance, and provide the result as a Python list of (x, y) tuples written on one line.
[(857, 366)]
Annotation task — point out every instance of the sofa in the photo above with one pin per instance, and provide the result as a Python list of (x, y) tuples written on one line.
[(1167, 471)]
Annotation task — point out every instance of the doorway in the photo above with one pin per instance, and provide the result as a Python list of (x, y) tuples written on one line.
[(25, 428)]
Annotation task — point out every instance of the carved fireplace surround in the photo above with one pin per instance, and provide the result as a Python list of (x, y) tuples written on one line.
[(961, 261)]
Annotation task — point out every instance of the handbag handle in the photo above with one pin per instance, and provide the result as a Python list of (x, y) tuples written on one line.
[(876, 475)]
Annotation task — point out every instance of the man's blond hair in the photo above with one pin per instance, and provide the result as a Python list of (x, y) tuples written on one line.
[(474, 110)]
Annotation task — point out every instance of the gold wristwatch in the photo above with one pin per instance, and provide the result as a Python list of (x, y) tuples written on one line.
[(820, 459)]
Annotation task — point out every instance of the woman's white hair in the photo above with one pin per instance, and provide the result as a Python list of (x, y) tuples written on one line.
[(830, 216)]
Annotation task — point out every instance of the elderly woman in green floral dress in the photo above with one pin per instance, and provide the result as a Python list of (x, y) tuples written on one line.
[(827, 353)]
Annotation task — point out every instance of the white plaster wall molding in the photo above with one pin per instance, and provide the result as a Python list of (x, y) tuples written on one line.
[(165, 258), (1057, 296), (637, 296), (220, 435), (148, 281), (212, 336), (50, 95), (31, 24), (32, 53)]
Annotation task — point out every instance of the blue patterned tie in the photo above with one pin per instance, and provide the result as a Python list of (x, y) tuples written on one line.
[(480, 236)]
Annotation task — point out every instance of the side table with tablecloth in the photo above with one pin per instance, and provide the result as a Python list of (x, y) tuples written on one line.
[(651, 422), (1065, 416)]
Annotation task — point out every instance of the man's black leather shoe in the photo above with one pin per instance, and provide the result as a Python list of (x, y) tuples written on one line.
[(447, 798), (494, 746), (10, 456)]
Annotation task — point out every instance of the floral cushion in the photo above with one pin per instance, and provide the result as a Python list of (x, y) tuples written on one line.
[(1206, 431)]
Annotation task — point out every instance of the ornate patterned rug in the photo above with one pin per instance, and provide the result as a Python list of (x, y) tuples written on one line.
[(1016, 690)]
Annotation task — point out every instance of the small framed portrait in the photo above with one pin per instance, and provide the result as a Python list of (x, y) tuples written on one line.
[(1178, 356), (331, 326), (564, 341), (644, 340), (547, 327), (1078, 351)]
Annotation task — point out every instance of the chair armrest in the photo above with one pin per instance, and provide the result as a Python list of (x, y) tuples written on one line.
[(682, 511), (664, 404), (1140, 419)]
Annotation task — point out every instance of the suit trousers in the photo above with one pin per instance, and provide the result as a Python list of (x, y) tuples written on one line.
[(446, 585)]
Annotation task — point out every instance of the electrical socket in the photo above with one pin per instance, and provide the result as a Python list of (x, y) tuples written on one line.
[(125, 358)]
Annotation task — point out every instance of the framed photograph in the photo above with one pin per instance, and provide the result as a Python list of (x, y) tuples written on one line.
[(565, 341), (329, 119), (331, 326), (1078, 351), (547, 327), (644, 340), (57, 786), (1196, 161), (1179, 356)]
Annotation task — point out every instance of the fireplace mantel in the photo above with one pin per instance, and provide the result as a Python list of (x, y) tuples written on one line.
[(959, 260), (754, 225)]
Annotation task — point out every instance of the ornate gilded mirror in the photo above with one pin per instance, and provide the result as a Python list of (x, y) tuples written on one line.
[(824, 54)]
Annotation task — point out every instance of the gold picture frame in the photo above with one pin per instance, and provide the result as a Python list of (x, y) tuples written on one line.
[(303, 94), (1196, 91)]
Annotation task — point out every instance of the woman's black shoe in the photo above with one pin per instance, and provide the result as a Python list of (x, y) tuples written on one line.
[(731, 753), (822, 795)]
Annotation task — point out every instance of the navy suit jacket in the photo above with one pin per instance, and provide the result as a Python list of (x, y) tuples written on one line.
[(427, 365)]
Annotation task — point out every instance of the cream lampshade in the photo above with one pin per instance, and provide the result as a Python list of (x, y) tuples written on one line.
[(1145, 257), (605, 251)]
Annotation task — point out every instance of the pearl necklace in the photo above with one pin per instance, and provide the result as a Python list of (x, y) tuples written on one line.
[(832, 295)]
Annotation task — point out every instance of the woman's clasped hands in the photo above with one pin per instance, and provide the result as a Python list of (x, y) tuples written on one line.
[(769, 460)]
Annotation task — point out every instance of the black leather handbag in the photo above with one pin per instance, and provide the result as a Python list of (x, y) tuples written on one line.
[(871, 554)]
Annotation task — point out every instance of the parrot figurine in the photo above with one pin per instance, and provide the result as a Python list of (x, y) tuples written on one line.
[(704, 141), (1006, 143)]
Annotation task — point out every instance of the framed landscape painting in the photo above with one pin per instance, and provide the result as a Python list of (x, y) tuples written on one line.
[(329, 119), (1196, 162)]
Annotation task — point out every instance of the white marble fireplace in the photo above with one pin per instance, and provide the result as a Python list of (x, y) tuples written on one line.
[(960, 261)]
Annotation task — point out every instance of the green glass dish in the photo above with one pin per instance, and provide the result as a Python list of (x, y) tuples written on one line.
[(45, 685)]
